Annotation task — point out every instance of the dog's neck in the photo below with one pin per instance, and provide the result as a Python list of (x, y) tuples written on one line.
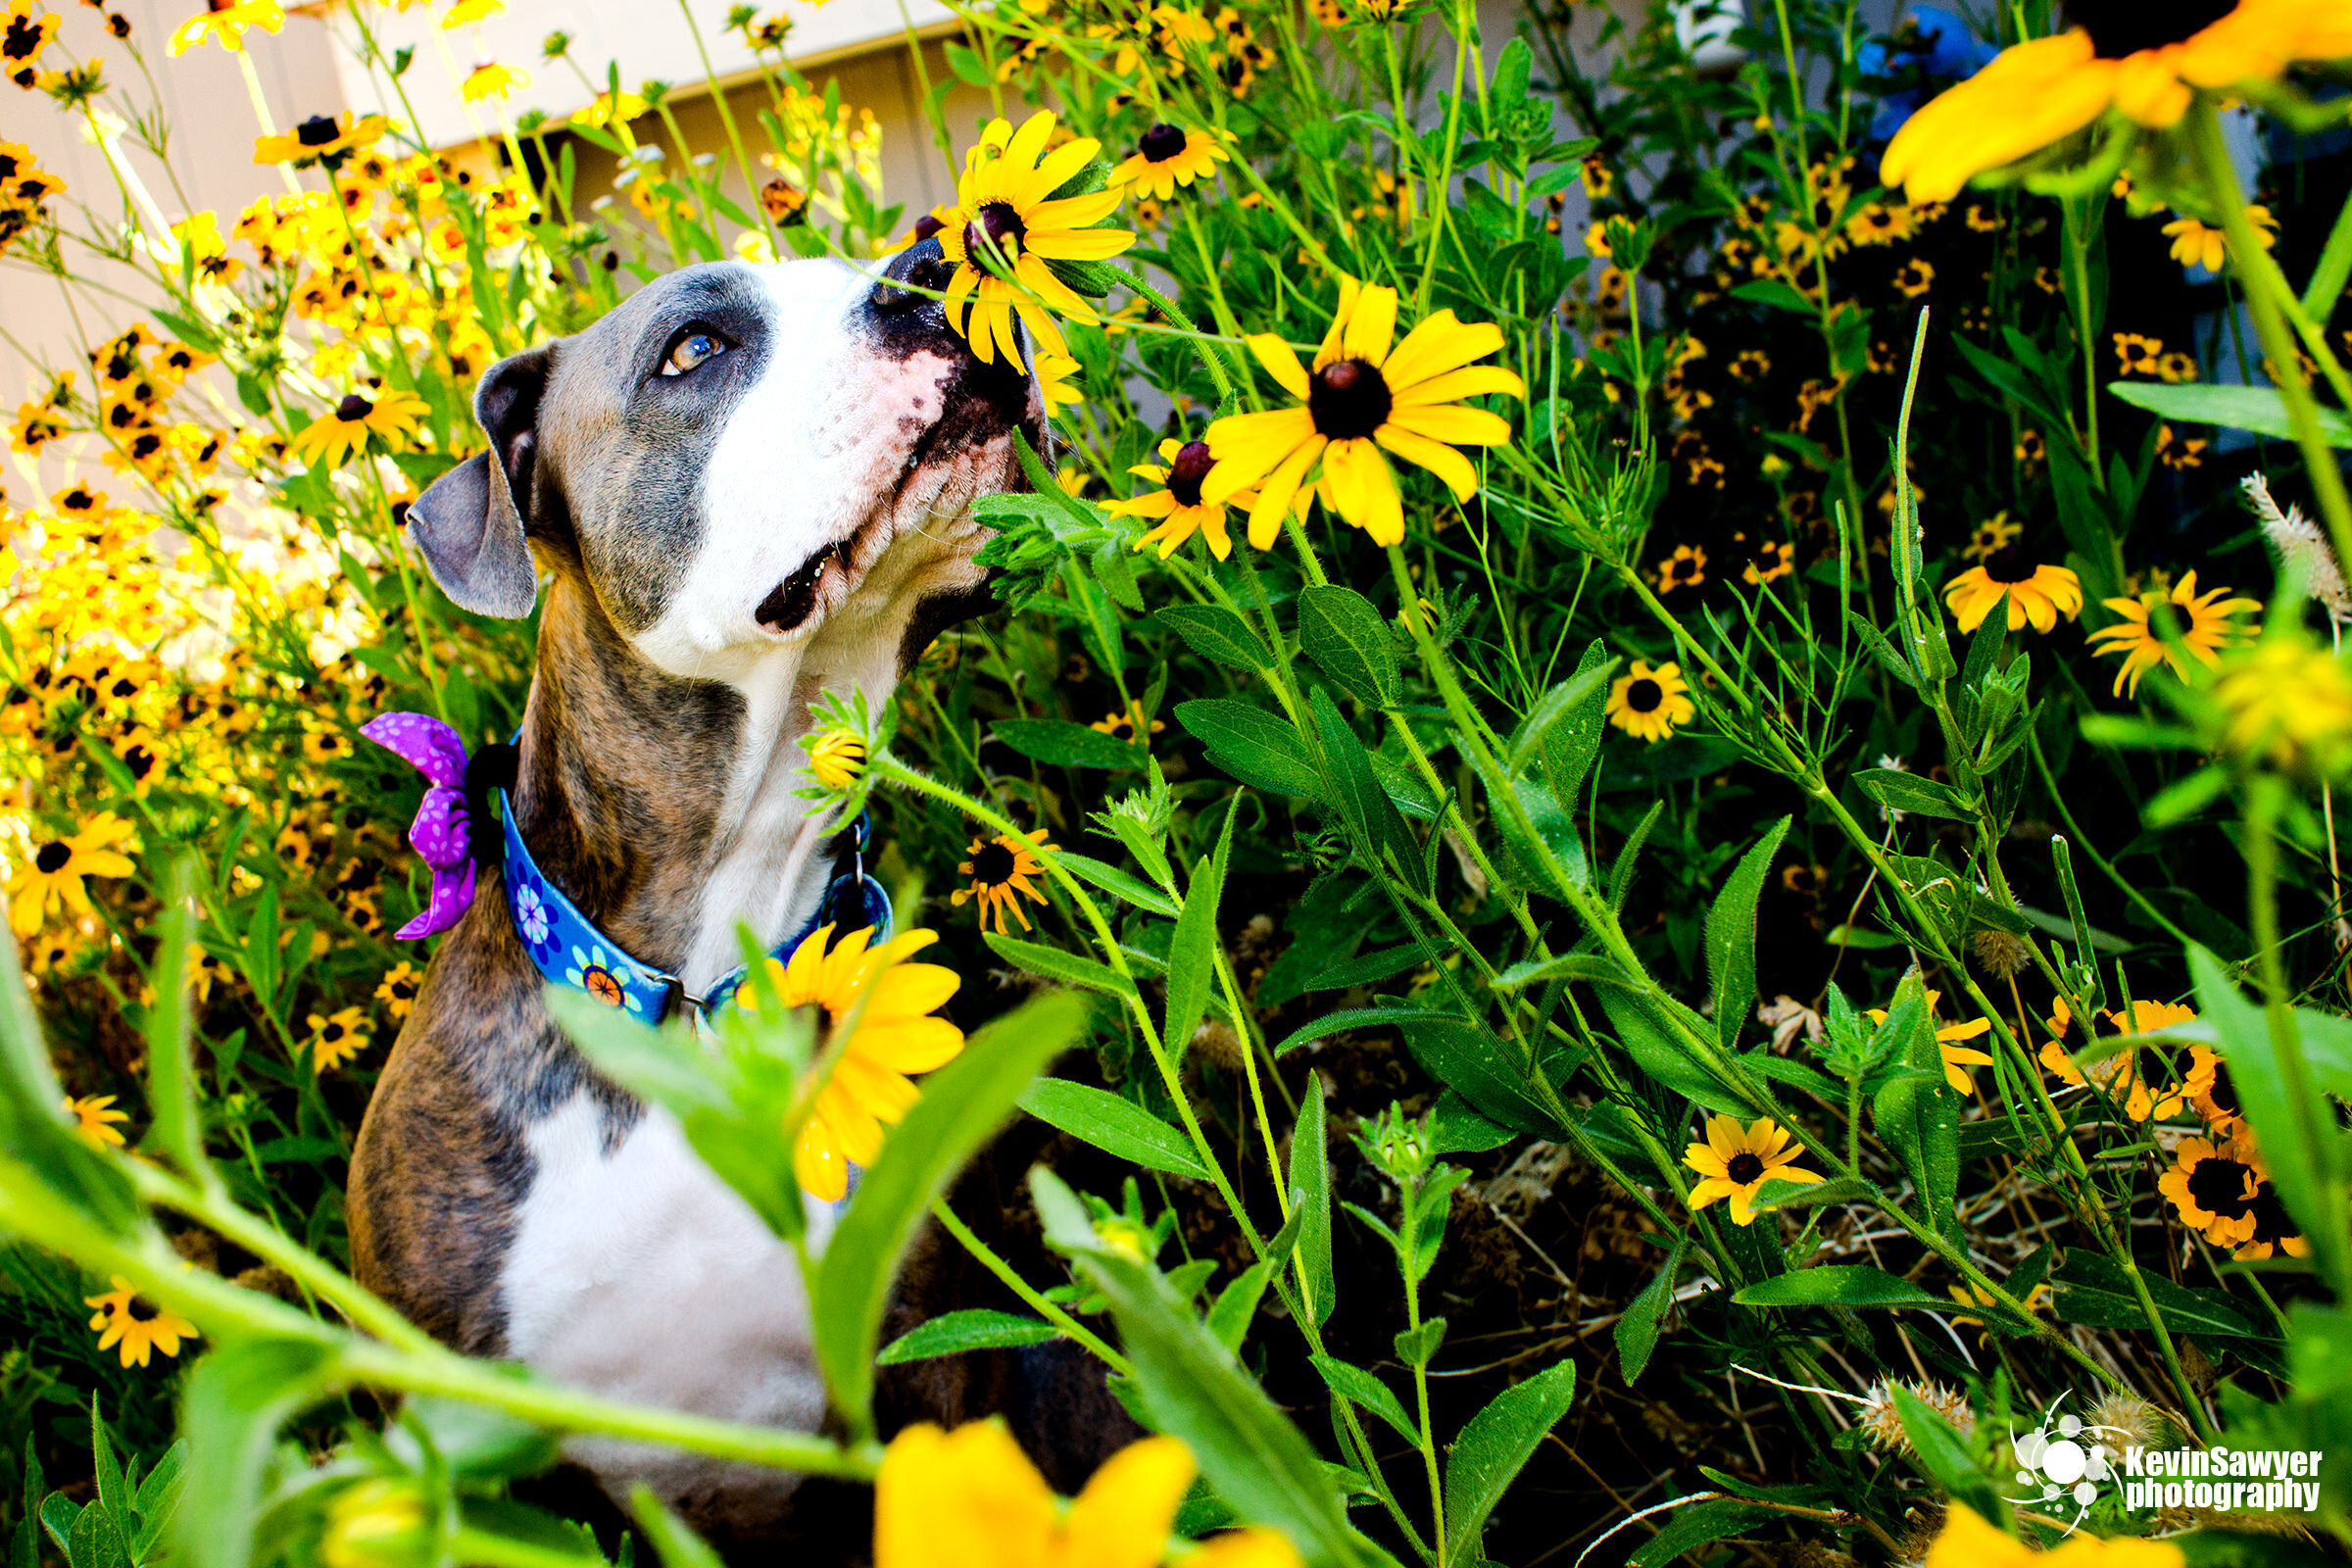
[(666, 807)]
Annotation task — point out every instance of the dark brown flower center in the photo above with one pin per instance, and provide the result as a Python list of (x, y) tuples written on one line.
[(2120, 28), (141, 1311), (995, 224), (24, 38), (53, 857), (2224, 1092), (2272, 1223), (2008, 564), (1645, 695), (353, 408), (993, 866), (1744, 1167), (1349, 399), (1161, 143), (2220, 1187), (1186, 473), (925, 226), (317, 132)]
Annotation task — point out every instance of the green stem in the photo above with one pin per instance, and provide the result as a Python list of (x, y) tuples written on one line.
[(1013, 1281)]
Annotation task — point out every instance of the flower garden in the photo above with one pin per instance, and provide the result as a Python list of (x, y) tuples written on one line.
[(1643, 854)]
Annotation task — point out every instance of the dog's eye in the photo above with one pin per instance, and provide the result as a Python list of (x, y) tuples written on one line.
[(690, 348)]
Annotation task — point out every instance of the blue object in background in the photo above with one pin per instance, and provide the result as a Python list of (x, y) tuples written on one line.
[(1948, 52)]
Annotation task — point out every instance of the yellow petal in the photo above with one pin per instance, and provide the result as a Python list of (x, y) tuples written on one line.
[(1247, 445), (1274, 496), (1475, 380), (1121, 1520), (1439, 343), (1280, 362), (1434, 456), (1072, 212), (1373, 326), (1455, 424), (1079, 244)]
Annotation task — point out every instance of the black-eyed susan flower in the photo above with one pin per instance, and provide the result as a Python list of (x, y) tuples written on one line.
[(867, 1083), (94, 1119), (1991, 536), (1967, 1541), (1169, 156), (1176, 507), (30, 26), (492, 81), (2035, 592), (227, 24), (1649, 703), (398, 988), (971, 1495), (1363, 397), (2212, 1094), (2140, 62), (1000, 868), (2198, 244), (1024, 206), (2287, 702), (343, 430), (1915, 278), (338, 1037), (837, 757), (1773, 560), (2274, 1229), (1951, 1042), (1735, 1163), (52, 877), (2211, 1187), (129, 1320), (1056, 381), (2206, 627), (2119, 1076), (1127, 726), (320, 141), (1687, 568)]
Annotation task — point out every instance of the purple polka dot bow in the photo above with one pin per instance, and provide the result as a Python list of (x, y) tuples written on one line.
[(443, 831)]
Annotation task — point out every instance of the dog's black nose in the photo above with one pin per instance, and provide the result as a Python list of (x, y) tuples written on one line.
[(916, 275)]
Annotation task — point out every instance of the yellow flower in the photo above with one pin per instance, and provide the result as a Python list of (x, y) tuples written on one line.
[(397, 991), (836, 758), (1127, 726), (492, 82), (226, 27), (2119, 1076), (894, 1036), (2288, 702), (1008, 202), (1735, 1164), (1993, 535), (1000, 868), (2139, 61), (1169, 156), (320, 141), (466, 11), (1687, 568), (27, 32), (138, 1325), (94, 1115), (375, 1522), (2211, 1187), (2196, 245), (2037, 1299), (337, 1038), (1968, 1541), (1177, 505), (343, 430), (54, 875), (1650, 704), (1957, 1057), (1367, 393), (2205, 628), (971, 1497), (1773, 560), (2036, 593), (607, 109), (1056, 374)]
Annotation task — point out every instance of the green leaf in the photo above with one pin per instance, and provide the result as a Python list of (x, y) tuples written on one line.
[(1598, 967), (1341, 631), (1347, 1018), (1069, 968), (1192, 955), (2258, 409), (1236, 1305), (1570, 738), (1732, 934), (1850, 1285), (1215, 633), (977, 1328), (1359, 1387), (1375, 830), (2092, 1288), (1415, 1346), (963, 1104), (1484, 1068), (1259, 748), (1637, 1329), (1908, 792), (1491, 1450), (1771, 291), (674, 1542), (1194, 1390), (1113, 1125), (1777, 1193), (1917, 1111), (1310, 1202), (1369, 968), (1660, 1059), (1716, 1519), (1110, 879), (36, 1132), (1068, 745), (1944, 1455), (235, 1401), (177, 1130)]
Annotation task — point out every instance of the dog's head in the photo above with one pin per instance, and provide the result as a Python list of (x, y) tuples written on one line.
[(735, 457)]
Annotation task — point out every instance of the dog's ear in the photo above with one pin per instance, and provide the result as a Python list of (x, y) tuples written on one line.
[(469, 521)]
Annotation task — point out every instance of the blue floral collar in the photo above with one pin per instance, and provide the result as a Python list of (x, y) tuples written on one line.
[(571, 951)]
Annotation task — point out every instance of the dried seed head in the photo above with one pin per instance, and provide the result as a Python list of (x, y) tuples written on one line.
[(2126, 1421), (2001, 954), (1884, 1423), (2302, 548)]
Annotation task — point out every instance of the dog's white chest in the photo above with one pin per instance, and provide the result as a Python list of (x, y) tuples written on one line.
[(636, 1273)]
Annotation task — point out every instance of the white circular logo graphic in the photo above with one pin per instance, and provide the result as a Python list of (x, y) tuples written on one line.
[(2062, 1460)]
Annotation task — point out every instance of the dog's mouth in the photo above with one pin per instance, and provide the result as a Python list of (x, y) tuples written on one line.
[(790, 603)]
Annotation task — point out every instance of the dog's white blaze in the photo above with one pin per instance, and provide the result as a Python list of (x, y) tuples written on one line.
[(639, 1274)]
